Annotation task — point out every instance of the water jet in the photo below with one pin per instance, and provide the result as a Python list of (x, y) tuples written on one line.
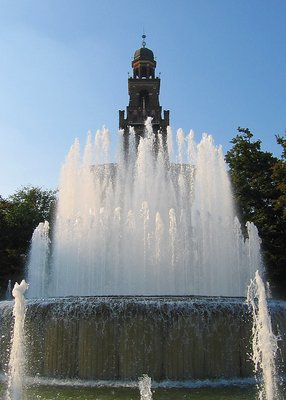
[(16, 366)]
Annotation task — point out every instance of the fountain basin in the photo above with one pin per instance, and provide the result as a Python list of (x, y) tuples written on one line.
[(121, 337)]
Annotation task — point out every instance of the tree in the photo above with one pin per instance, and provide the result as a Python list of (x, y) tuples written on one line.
[(19, 216), (4, 242), (279, 176), (257, 194)]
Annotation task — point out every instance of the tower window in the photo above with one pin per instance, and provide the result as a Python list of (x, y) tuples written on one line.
[(144, 99)]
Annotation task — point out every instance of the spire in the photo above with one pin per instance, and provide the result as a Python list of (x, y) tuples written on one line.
[(143, 39)]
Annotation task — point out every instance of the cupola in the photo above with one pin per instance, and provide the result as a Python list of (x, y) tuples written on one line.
[(144, 63)]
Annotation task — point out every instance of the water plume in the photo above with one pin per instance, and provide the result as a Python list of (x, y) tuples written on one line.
[(144, 384), (146, 225), (264, 341), (38, 260), (16, 371)]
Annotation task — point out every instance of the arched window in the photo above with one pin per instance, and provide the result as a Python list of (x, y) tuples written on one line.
[(144, 100)]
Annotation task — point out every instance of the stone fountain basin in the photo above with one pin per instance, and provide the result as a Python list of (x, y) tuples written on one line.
[(121, 337)]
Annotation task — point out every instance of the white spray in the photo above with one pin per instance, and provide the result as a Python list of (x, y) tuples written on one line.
[(17, 356), (171, 223), (264, 342), (144, 383), (38, 260)]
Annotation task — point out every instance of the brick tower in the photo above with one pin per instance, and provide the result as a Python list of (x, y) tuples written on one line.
[(143, 90)]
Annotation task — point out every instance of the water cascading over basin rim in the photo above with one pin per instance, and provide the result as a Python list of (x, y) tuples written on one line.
[(149, 226), (120, 338)]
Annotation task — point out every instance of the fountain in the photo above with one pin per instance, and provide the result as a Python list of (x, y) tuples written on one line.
[(146, 270), (264, 341), (16, 366), (144, 383), (144, 227), (8, 295), (38, 257)]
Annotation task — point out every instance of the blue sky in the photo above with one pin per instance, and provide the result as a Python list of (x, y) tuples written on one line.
[(64, 66)]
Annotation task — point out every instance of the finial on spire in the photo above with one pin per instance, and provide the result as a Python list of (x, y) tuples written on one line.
[(143, 41)]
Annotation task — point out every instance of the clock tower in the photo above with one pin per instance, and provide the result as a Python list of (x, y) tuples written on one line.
[(143, 90)]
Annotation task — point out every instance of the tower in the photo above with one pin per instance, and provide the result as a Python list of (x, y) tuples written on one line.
[(143, 90)]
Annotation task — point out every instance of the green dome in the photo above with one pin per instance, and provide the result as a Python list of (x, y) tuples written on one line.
[(144, 54)]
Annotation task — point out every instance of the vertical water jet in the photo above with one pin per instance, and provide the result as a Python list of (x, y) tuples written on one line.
[(16, 368), (38, 267), (264, 341), (144, 383)]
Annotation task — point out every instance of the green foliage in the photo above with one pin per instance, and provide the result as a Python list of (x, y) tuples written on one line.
[(259, 184), (19, 216), (282, 140), (279, 176), (251, 174)]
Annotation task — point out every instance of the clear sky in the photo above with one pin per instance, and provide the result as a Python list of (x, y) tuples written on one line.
[(64, 66)]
